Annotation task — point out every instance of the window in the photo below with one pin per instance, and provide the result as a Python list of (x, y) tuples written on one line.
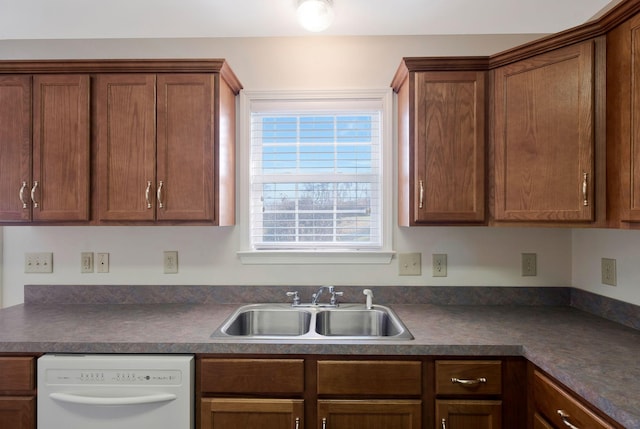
[(317, 172)]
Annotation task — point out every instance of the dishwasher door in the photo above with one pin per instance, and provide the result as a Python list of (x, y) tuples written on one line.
[(115, 392)]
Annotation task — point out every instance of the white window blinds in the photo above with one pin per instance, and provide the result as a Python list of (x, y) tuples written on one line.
[(316, 174)]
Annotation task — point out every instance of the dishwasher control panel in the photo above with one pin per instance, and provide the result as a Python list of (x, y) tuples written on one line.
[(120, 377)]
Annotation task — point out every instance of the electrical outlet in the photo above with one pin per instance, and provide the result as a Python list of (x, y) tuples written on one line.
[(170, 261), (410, 264), (103, 263), (38, 262), (529, 264), (86, 262), (439, 265), (609, 271)]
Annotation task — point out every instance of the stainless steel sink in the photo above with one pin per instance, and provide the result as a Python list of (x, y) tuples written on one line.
[(258, 320), (358, 322), (313, 322)]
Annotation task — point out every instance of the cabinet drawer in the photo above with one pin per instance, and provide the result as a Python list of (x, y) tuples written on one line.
[(550, 399), (464, 377), (369, 378), (252, 376), (17, 373)]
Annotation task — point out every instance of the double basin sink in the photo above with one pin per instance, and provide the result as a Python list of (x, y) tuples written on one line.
[(283, 321)]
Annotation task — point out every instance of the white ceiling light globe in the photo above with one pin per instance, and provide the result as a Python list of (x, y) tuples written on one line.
[(315, 15)]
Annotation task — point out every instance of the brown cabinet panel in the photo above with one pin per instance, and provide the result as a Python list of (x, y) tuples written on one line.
[(15, 147), (126, 146), (185, 164), (252, 376), (544, 137), (18, 412), (61, 147), (227, 413), (471, 377), (17, 373), (467, 414), (441, 137), (552, 401), (369, 414), (449, 146), (540, 422), (369, 377)]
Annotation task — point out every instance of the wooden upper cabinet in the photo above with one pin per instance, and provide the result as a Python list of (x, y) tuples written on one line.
[(185, 147), (61, 148), (544, 140), (15, 147), (165, 148), (44, 177), (623, 122), (126, 146), (441, 139)]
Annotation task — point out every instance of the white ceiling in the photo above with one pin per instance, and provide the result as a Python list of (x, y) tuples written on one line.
[(90, 19)]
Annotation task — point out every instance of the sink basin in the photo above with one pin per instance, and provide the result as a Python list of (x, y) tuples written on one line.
[(269, 321), (312, 322), (368, 323)]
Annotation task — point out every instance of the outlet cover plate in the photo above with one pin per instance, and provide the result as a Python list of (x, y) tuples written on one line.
[(170, 261), (529, 264), (609, 276), (103, 262), (439, 265)]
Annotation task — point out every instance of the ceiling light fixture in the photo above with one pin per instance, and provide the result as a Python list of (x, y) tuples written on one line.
[(315, 15)]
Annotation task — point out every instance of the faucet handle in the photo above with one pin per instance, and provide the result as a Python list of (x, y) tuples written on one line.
[(334, 294), (296, 297)]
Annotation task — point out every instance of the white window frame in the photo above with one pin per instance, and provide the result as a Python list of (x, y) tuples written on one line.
[(380, 255)]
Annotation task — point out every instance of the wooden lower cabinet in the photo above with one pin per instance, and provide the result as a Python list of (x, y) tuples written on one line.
[(223, 413), (540, 422), (17, 392), (468, 414), (369, 414), (18, 412)]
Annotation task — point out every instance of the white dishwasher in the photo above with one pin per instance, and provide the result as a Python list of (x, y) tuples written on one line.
[(115, 391)]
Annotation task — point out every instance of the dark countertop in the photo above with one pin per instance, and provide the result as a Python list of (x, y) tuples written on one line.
[(595, 357)]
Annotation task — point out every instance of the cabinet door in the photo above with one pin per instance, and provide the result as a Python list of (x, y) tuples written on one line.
[(540, 422), (449, 147), (15, 148), (185, 156), (221, 413), (126, 146), (61, 148), (369, 414), (544, 137), (466, 414), (18, 412)]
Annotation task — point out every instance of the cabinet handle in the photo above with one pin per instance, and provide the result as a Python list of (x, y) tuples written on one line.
[(468, 382), (159, 195), (33, 194), (23, 188), (564, 416), (443, 424), (421, 193), (146, 194), (324, 423), (297, 423), (585, 188)]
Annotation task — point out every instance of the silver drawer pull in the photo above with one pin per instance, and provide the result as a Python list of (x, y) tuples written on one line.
[(146, 194), (324, 423), (297, 423), (23, 188), (421, 194), (159, 195), (564, 416), (465, 382), (33, 194), (444, 424), (585, 189)]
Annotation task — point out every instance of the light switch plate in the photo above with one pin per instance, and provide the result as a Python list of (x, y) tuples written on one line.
[(86, 262), (38, 262), (410, 264), (529, 264)]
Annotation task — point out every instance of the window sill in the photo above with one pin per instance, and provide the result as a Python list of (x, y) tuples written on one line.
[(313, 257)]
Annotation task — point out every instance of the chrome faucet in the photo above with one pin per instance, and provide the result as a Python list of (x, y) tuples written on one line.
[(333, 301)]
